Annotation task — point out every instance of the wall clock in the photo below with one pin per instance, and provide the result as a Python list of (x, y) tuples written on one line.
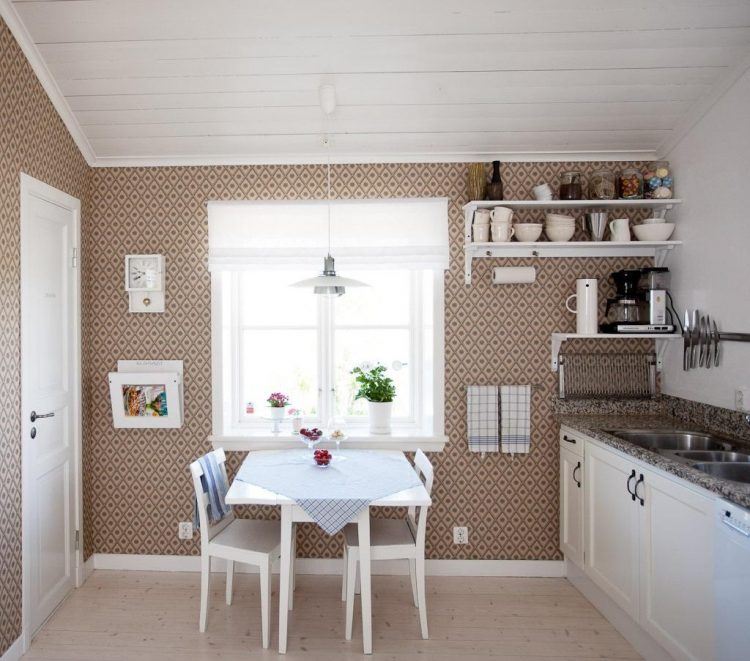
[(144, 282)]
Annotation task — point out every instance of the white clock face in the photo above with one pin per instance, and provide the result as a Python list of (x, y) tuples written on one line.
[(144, 273)]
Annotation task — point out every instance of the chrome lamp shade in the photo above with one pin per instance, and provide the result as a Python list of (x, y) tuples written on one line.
[(328, 283)]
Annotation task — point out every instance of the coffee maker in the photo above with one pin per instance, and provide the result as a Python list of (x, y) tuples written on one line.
[(640, 304)]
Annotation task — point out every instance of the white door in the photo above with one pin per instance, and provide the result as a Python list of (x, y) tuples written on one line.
[(571, 506), (611, 528), (677, 565), (49, 396)]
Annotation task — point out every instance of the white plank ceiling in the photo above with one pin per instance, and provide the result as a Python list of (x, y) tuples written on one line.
[(191, 81)]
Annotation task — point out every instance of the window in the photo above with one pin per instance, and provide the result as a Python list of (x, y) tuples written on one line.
[(268, 337)]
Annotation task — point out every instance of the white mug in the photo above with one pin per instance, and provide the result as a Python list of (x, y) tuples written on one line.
[(501, 215), (586, 310), (542, 192), (619, 229), (502, 232), (482, 217), (481, 233)]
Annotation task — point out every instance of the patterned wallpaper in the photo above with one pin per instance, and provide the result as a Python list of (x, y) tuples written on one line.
[(138, 486), (34, 140)]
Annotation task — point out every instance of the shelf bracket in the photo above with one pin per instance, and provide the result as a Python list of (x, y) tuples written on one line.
[(556, 341)]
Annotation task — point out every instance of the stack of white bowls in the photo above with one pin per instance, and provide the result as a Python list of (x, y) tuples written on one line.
[(559, 227)]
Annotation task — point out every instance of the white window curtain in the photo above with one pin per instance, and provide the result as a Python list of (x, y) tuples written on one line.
[(385, 233)]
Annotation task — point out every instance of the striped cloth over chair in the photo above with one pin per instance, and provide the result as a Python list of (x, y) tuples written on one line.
[(515, 414), (215, 486), (482, 418)]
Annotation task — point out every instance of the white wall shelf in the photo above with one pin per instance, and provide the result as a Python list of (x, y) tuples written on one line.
[(657, 250), (662, 340)]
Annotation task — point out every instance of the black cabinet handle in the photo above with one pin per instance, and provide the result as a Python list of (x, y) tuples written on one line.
[(569, 440), (641, 479), (627, 486), (575, 479)]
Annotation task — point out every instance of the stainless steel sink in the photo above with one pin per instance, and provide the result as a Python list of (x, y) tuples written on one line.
[(714, 455), (671, 440), (735, 472)]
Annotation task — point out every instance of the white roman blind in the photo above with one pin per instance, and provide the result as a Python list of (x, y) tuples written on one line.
[(396, 233)]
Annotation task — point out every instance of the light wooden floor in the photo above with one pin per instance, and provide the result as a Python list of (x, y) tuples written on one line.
[(153, 616)]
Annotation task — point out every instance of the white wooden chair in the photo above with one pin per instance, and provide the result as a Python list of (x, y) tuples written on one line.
[(235, 540), (392, 539)]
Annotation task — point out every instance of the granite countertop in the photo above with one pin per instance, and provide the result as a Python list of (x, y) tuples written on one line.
[(594, 426)]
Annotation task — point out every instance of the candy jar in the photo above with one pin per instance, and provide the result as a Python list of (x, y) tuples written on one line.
[(631, 184), (658, 182)]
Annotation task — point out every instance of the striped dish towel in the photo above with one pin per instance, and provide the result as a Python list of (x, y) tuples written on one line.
[(215, 485), (515, 414), (482, 418)]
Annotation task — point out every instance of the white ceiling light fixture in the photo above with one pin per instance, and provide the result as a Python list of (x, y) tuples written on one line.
[(328, 283)]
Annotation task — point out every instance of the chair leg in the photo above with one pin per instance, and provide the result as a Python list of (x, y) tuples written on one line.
[(230, 581), (265, 601), (413, 576), (351, 570), (205, 574), (357, 582), (421, 597), (343, 576), (292, 568)]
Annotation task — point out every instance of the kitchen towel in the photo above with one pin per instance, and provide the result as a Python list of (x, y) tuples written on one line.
[(482, 418), (214, 483), (515, 418)]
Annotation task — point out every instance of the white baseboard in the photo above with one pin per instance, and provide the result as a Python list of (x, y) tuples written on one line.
[(14, 652), (530, 568), (88, 567), (641, 640)]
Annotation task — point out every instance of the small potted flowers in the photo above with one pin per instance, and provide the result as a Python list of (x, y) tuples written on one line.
[(379, 392), (277, 402), (296, 415)]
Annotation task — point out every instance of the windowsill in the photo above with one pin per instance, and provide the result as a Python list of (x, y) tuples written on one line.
[(399, 439)]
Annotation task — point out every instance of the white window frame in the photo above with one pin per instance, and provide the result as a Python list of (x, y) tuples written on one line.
[(407, 434)]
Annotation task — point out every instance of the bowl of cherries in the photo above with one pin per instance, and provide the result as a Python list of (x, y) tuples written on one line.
[(310, 436), (322, 457)]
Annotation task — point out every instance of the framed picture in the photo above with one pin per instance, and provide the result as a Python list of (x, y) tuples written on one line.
[(146, 399)]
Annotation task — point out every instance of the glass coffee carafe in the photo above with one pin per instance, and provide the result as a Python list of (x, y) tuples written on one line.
[(624, 311)]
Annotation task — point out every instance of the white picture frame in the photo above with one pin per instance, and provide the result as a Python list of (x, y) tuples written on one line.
[(138, 397)]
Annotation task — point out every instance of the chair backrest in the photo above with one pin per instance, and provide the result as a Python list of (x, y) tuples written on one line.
[(208, 531), (417, 516)]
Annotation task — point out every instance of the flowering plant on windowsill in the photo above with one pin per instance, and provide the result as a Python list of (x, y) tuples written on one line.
[(277, 400)]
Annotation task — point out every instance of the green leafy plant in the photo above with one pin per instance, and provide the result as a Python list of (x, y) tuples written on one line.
[(374, 385)]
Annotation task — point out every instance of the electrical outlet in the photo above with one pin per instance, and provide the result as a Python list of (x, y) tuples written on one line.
[(185, 530), (460, 535)]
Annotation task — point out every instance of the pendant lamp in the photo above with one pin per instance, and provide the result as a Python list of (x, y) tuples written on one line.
[(328, 283)]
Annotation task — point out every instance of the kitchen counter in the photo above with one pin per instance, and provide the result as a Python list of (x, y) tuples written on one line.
[(593, 426)]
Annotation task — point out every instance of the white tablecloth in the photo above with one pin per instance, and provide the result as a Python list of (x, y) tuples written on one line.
[(334, 495)]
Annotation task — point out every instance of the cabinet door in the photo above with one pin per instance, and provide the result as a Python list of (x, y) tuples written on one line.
[(571, 506), (611, 527), (677, 567)]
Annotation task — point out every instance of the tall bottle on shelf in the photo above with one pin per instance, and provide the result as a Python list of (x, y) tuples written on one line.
[(495, 187)]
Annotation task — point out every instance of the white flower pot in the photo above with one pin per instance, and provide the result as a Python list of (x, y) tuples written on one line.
[(380, 417), (277, 412)]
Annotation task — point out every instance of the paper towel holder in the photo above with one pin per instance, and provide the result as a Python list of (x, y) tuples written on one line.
[(512, 275)]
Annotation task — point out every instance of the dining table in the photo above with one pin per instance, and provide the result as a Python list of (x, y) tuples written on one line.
[(248, 491)]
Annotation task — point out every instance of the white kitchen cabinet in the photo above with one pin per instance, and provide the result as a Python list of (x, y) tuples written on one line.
[(571, 502), (611, 526), (676, 567)]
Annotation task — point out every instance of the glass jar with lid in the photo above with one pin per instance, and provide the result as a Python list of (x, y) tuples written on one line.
[(602, 185), (657, 181), (630, 183), (570, 185)]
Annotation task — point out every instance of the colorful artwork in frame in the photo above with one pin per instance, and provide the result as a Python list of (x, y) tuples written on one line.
[(146, 399)]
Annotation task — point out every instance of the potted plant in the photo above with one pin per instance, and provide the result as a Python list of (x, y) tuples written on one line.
[(277, 402), (379, 391)]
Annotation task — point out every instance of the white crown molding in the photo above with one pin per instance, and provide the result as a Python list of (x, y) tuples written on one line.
[(320, 159), (530, 568), (703, 106), (22, 36)]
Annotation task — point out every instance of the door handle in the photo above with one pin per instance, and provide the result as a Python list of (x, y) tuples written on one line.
[(627, 486), (575, 479), (641, 480), (569, 440), (35, 416)]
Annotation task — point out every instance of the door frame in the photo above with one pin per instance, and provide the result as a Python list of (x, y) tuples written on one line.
[(31, 187)]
